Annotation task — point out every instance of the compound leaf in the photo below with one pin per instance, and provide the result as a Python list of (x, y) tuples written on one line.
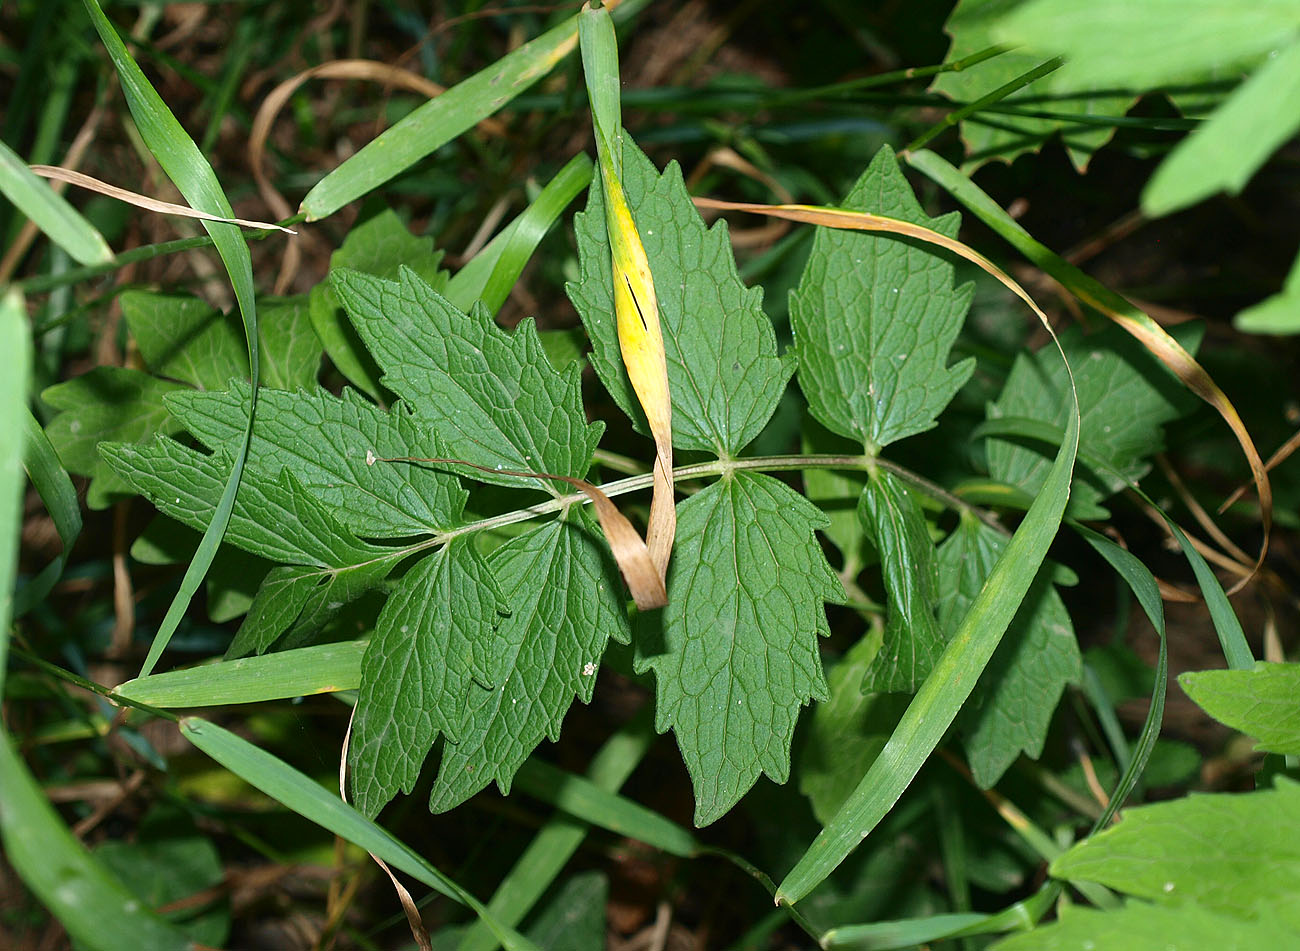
[(735, 650), (874, 317), (723, 369)]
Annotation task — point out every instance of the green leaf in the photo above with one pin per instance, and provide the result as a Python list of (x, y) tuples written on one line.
[(1142, 927), (379, 246), (1263, 703), (1279, 314), (913, 639), (184, 338), (332, 446), (874, 317), (735, 651), (50, 211), (1008, 132), (111, 404), (836, 492), (51, 481), (1125, 397), (575, 917), (1223, 153), (16, 341), (1115, 43), (1011, 708), (489, 396), (1234, 854), (291, 351), (565, 602), (844, 736), (723, 369), (432, 640)]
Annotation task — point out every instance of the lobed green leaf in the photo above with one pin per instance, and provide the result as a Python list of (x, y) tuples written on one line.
[(1263, 703)]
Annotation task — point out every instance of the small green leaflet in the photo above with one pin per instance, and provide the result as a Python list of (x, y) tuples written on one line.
[(875, 316), (1005, 134), (1011, 707), (1125, 397), (723, 369), (913, 639), (487, 396), (433, 639), (565, 602), (735, 650), (1232, 854), (1263, 703), (183, 338)]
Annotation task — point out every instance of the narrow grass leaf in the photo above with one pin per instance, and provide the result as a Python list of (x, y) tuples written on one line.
[(50, 211), (305, 796), (185, 165), (56, 490), (16, 344), (440, 120), (1106, 302), (301, 672)]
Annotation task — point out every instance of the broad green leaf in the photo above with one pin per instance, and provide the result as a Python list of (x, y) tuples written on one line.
[(1118, 44), (291, 351), (1009, 132), (1125, 397), (893, 518), (489, 396), (1012, 706), (1139, 926), (565, 602), (314, 802), (874, 317), (735, 651), (106, 404), (184, 338), (1234, 854), (379, 246), (50, 211), (723, 369), (844, 735), (1263, 703), (1226, 150), (324, 668), (333, 446), (433, 639)]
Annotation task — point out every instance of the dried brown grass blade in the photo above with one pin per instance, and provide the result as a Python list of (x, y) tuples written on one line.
[(644, 581), (82, 180), (1283, 453)]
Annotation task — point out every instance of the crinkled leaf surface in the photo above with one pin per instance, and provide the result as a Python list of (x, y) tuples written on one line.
[(1125, 397), (913, 638), (324, 441), (874, 317), (1236, 854), (106, 404), (487, 396), (973, 26), (735, 650), (1263, 703), (1011, 707), (565, 601), (1138, 926), (723, 369), (434, 637)]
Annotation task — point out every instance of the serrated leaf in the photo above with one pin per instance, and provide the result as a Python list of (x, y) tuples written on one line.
[(723, 370), (487, 396), (1263, 703), (1235, 854), (434, 637), (1011, 707), (106, 404), (735, 652), (277, 519), (278, 602), (1142, 927), (913, 638), (331, 445), (874, 318), (565, 602), (1125, 397), (184, 338), (1002, 135)]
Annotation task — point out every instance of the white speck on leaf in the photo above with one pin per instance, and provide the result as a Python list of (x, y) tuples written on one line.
[(588, 669), (370, 457)]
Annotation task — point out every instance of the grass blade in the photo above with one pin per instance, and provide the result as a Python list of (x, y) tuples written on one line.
[(305, 796), (16, 344), (50, 211), (324, 668), (185, 165), (55, 487)]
